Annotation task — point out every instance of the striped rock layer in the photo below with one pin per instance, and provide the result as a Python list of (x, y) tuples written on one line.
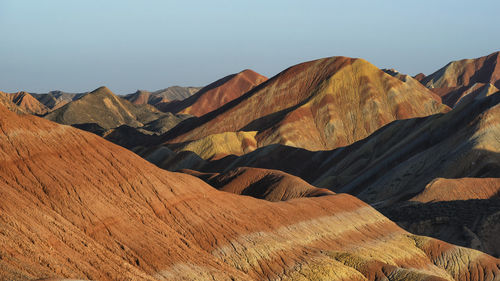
[(28, 103), (271, 185), (76, 206), (105, 109), (441, 161), (217, 93), (466, 78), (317, 105)]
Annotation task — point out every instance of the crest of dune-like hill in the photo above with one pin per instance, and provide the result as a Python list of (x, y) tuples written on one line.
[(463, 77), (271, 185), (459, 189), (75, 206), (217, 93), (317, 105)]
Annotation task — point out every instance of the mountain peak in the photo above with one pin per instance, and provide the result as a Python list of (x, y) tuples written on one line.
[(466, 72), (102, 90), (218, 93), (317, 105)]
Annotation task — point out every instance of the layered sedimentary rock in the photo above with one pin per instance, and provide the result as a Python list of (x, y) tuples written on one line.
[(317, 105), (220, 145), (6, 101), (460, 78), (28, 103), (271, 185), (161, 97), (459, 189), (76, 206), (466, 72), (396, 162), (104, 108), (455, 95), (402, 161), (217, 93), (55, 99)]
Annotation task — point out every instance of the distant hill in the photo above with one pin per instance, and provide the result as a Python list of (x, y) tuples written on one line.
[(464, 77), (106, 109), (161, 96), (55, 99), (217, 93), (6, 101), (317, 105), (28, 103)]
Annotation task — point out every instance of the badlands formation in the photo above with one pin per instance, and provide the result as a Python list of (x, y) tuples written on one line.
[(330, 170)]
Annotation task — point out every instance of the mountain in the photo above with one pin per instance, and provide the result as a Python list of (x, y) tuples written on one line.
[(466, 72), (161, 96), (219, 145), (6, 101), (28, 103), (398, 162), (100, 212), (144, 97), (105, 109), (176, 92), (455, 95), (317, 105), (271, 185), (217, 93), (55, 99), (457, 77)]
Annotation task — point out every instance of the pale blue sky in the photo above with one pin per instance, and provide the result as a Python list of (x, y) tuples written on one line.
[(76, 45)]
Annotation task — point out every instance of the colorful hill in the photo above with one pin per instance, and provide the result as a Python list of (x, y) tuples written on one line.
[(271, 185), (104, 108), (100, 212), (55, 99), (28, 103), (317, 105), (460, 78), (399, 162), (217, 93), (6, 101), (161, 96)]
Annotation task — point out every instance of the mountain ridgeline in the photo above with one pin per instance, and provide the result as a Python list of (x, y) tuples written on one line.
[(330, 170)]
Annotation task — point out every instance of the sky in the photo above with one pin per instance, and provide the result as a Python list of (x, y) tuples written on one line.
[(79, 45)]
